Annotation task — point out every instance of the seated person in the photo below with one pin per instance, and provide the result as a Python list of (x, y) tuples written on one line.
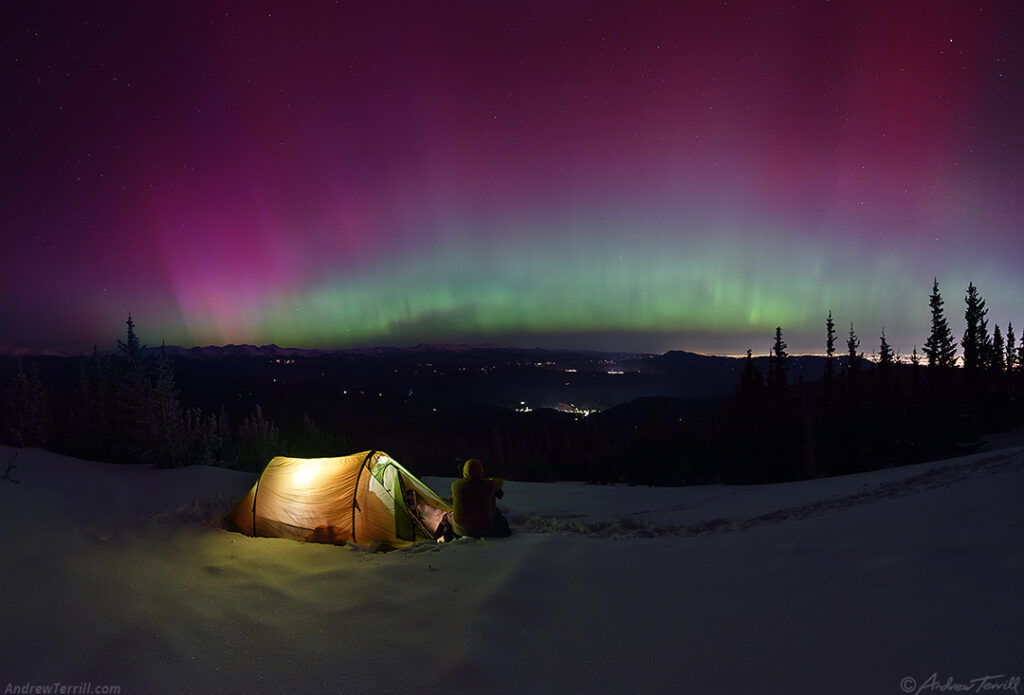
[(473, 510)]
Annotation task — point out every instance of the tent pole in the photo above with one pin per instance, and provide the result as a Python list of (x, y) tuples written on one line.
[(355, 493), (254, 494)]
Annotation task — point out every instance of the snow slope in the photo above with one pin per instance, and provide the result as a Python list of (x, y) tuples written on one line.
[(842, 585)]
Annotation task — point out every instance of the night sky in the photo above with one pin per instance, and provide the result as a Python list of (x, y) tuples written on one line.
[(557, 174)]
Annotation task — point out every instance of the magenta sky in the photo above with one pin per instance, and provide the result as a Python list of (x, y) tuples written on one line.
[(561, 173)]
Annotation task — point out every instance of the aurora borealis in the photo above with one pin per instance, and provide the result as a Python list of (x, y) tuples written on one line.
[(558, 174)]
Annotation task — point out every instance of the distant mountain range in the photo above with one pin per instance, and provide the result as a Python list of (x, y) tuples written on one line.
[(677, 363), (505, 376), (485, 350), (12, 351), (727, 369), (270, 351)]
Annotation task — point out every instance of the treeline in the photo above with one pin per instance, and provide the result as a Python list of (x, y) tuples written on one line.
[(862, 414), (867, 414), (126, 408), (648, 441)]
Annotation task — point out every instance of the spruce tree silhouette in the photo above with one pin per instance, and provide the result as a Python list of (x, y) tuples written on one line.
[(131, 346), (90, 423), (830, 355), (1011, 348), (976, 343), (779, 365), (163, 416), (885, 354), (853, 358), (827, 438), (1019, 362), (883, 407), (28, 419), (997, 356), (131, 401), (999, 397), (940, 347), (751, 382)]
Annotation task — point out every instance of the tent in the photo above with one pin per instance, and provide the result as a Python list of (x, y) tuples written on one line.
[(363, 498)]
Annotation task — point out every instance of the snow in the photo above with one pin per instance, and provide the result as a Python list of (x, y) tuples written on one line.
[(841, 585)]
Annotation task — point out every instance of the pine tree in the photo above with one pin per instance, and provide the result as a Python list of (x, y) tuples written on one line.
[(830, 348), (258, 440), (880, 434), (28, 420), (90, 421), (312, 441), (228, 452), (885, 354), (940, 347), (1019, 361), (130, 408), (997, 360), (163, 416), (779, 362), (751, 382), (915, 371), (853, 357), (976, 342), (199, 441), (131, 346), (1011, 348)]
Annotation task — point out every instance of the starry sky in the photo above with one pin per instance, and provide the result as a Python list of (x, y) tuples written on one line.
[(607, 175)]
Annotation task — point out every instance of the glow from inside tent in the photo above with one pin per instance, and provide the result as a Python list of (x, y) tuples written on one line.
[(304, 475)]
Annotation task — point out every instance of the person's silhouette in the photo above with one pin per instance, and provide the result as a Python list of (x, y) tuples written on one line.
[(474, 511)]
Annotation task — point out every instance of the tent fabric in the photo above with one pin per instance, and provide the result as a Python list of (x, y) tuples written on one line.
[(363, 498)]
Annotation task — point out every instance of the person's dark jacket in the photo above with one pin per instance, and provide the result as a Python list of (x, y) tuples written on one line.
[(473, 505)]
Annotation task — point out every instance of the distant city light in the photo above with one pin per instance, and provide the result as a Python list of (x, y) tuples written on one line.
[(574, 409)]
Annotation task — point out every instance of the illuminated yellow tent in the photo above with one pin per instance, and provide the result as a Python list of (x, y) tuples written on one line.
[(364, 498)]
